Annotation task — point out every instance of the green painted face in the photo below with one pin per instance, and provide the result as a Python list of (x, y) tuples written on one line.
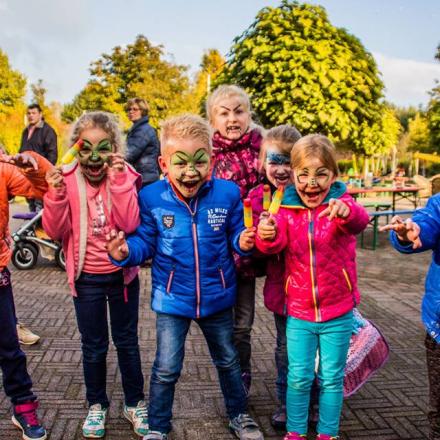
[(188, 172), (92, 159)]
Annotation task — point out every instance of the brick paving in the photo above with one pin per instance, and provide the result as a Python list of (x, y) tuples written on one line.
[(391, 406)]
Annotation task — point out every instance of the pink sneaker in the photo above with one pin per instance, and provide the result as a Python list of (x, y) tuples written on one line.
[(326, 437), (294, 436)]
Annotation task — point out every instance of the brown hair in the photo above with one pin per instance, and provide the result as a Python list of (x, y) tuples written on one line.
[(185, 126), (283, 137), (141, 103), (314, 145)]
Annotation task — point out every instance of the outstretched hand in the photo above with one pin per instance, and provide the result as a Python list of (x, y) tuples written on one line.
[(335, 208), (247, 239), (267, 227), (116, 245), (406, 230), (21, 160)]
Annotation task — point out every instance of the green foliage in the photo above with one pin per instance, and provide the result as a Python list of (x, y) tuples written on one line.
[(418, 134), (138, 70), (404, 114), (300, 69), (434, 118)]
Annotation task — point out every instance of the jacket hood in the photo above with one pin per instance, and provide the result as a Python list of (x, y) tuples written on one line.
[(292, 198)]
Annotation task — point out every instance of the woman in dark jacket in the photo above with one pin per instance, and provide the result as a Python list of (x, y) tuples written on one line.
[(142, 143)]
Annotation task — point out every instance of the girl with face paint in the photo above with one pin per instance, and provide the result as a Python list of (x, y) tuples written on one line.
[(236, 146), (86, 199)]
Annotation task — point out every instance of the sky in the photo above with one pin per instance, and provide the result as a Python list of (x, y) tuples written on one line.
[(56, 40)]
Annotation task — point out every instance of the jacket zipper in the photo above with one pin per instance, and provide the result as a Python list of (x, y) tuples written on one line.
[(347, 278), (315, 294), (170, 280), (286, 286), (222, 277)]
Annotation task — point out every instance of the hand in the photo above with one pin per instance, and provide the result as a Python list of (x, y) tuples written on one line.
[(22, 160), (116, 163), (406, 230), (247, 239), (335, 208), (55, 178), (116, 245), (267, 228)]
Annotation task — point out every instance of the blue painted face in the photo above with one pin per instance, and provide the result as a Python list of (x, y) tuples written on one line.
[(277, 166), (275, 158)]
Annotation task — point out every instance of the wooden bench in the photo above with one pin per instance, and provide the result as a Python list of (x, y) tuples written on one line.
[(374, 221)]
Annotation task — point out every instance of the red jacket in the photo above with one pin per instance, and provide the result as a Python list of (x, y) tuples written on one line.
[(320, 256)]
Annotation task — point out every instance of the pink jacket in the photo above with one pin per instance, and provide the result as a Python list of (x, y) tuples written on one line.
[(65, 215), (320, 256), (273, 290)]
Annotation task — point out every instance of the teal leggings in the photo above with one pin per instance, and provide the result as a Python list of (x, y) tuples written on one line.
[(331, 339)]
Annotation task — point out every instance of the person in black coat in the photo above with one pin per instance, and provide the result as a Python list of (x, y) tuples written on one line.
[(142, 143)]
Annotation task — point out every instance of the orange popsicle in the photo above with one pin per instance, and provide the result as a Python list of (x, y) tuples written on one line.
[(247, 210), (266, 197)]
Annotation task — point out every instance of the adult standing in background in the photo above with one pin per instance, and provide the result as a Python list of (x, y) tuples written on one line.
[(142, 143), (40, 137)]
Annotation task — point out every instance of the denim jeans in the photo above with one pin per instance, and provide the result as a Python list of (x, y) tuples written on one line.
[(332, 340), (16, 380), (244, 312), (171, 331), (93, 293)]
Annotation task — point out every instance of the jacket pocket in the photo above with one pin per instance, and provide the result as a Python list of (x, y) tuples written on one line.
[(349, 285), (170, 280), (222, 277)]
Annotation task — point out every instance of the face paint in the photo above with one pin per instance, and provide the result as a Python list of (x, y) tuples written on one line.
[(231, 118), (277, 166), (92, 159), (188, 172)]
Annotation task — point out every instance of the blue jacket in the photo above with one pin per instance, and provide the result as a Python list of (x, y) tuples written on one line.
[(143, 150), (428, 219), (193, 272)]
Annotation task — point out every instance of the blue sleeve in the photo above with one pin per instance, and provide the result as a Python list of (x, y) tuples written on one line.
[(136, 145), (142, 243), (236, 226)]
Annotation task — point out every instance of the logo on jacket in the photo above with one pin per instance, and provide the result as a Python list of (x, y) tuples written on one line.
[(217, 218), (168, 221)]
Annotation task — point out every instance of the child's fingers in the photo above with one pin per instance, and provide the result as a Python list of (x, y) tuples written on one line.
[(325, 212), (417, 243)]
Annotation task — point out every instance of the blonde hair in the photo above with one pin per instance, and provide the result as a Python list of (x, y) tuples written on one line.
[(226, 91), (103, 120), (185, 126), (141, 103), (283, 137), (314, 146)]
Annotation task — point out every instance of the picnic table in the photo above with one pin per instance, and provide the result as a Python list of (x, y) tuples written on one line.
[(409, 193)]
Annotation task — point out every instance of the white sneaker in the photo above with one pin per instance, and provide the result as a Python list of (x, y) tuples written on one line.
[(94, 425), (25, 336), (138, 417)]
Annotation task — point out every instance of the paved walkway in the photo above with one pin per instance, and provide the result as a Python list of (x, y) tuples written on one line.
[(391, 406)]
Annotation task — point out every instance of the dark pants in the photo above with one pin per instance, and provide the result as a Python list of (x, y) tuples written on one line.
[(16, 380), (171, 331), (94, 291), (35, 205), (433, 362), (281, 360), (244, 312)]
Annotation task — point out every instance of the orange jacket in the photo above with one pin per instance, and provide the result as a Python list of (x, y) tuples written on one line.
[(16, 181)]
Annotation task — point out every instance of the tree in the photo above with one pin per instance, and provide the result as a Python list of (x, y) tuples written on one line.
[(39, 94), (138, 70), (418, 134), (300, 69), (434, 113)]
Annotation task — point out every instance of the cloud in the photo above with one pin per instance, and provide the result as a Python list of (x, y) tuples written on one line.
[(407, 82)]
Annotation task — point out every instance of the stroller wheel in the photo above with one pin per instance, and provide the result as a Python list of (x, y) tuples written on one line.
[(24, 257), (60, 258)]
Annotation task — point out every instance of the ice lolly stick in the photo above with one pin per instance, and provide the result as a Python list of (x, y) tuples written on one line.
[(247, 210)]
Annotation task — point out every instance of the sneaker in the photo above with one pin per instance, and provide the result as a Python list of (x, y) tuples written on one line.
[(244, 428), (246, 377), (94, 425), (326, 437), (294, 436), (25, 336), (138, 417), (25, 417), (279, 418), (155, 435)]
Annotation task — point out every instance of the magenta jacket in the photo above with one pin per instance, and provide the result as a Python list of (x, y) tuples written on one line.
[(65, 215), (320, 256)]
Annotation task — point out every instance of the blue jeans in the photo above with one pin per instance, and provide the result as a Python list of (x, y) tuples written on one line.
[(332, 340), (16, 380), (171, 331), (93, 293)]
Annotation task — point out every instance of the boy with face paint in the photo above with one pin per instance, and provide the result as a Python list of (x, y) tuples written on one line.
[(190, 223)]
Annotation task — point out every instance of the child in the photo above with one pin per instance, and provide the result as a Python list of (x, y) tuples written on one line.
[(419, 234), (236, 147), (275, 165), (20, 175), (85, 199), (189, 224), (316, 228)]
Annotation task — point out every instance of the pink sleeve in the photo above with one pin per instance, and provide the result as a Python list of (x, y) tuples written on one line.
[(125, 207), (56, 213), (358, 218), (280, 242)]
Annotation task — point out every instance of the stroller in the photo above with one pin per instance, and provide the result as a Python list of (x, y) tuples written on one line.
[(30, 240)]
